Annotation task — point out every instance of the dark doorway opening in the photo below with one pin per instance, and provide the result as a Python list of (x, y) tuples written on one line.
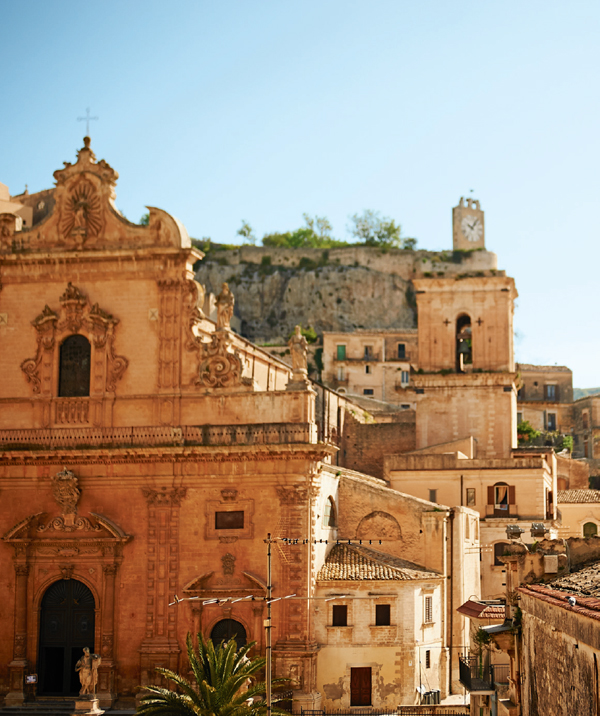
[(360, 686), (66, 626), (226, 629)]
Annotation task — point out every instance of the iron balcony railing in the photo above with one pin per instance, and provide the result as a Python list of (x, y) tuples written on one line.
[(475, 676)]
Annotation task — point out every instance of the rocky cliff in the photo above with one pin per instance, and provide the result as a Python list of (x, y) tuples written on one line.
[(335, 290)]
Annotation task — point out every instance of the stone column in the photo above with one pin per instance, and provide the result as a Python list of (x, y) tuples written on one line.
[(18, 666), (106, 672)]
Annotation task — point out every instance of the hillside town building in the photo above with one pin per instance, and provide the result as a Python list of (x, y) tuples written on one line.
[(147, 451)]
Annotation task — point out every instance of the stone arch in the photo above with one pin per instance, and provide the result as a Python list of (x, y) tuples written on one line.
[(379, 525), (224, 629), (74, 367)]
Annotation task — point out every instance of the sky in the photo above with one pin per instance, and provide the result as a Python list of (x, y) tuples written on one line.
[(261, 110)]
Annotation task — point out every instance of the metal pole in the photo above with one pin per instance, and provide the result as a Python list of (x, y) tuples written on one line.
[(268, 625)]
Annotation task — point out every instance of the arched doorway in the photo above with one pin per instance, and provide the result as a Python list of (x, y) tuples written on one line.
[(66, 626), (227, 628)]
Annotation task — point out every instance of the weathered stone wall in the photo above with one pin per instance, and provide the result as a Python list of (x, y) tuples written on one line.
[(364, 445), (334, 290), (561, 650)]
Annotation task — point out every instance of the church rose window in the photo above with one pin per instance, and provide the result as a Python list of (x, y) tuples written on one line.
[(74, 374)]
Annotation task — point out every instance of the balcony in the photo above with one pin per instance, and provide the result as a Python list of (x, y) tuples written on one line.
[(180, 436), (476, 677)]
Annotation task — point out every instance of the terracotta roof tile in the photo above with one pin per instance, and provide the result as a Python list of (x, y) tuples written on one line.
[(356, 563), (543, 368), (576, 496), (476, 610)]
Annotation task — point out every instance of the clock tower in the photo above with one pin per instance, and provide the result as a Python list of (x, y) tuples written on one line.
[(468, 229)]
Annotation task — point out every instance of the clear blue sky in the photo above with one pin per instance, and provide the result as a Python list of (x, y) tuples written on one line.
[(263, 110)]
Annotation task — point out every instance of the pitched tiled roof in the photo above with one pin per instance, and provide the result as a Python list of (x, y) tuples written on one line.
[(476, 610), (543, 368), (356, 563), (574, 496)]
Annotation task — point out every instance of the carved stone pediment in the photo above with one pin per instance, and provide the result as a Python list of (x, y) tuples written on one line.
[(59, 529), (214, 585), (85, 216), (76, 315)]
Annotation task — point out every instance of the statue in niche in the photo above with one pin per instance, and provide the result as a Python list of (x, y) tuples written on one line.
[(225, 303), (87, 667), (298, 348)]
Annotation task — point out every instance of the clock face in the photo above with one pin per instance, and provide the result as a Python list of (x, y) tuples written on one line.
[(472, 228)]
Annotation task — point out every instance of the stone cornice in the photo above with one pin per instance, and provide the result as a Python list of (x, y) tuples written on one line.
[(216, 454)]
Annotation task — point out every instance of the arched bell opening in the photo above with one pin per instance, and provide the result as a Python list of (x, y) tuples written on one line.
[(67, 617), (464, 344)]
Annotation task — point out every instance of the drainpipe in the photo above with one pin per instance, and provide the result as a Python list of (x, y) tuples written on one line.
[(451, 618)]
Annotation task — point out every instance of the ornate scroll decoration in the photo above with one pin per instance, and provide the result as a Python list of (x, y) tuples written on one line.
[(82, 213), (65, 491), (59, 524), (229, 493), (45, 325), (164, 497), (75, 316), (228, 561), (292, 494), (67, 570), (222, 366), (193, 298)]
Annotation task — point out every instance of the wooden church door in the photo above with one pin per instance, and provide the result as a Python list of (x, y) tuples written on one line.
[(66, 626)]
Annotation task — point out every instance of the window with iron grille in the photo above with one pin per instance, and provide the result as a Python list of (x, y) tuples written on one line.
[(427, 659), (428, 610)]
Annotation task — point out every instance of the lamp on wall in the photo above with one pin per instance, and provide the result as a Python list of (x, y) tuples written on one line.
[(514, 531)]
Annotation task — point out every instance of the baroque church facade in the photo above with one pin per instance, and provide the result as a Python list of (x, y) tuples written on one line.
[(147, 451)]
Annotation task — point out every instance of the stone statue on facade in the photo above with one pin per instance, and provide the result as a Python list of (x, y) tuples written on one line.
[(87, 667), (225, 303), (299, 350)]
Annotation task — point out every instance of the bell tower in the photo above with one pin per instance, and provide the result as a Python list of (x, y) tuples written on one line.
[(468, 228)]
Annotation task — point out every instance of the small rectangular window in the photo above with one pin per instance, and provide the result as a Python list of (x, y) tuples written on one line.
[(519, 417), (401, 351), (368, 391), (405, 377), (405, 406), (428, 610), (428, 659), (551, 423), (470, 497), (229, 520), (341, 373), (432, 495), (382, 615), (550, 392), (368, 369), (368, 352), (341, 352), (585, 420), (339, 615)]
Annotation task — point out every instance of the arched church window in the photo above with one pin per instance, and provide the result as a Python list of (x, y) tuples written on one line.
[(329, 519), (590, 529), (464, 343), (227, 629), (74, 371)]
